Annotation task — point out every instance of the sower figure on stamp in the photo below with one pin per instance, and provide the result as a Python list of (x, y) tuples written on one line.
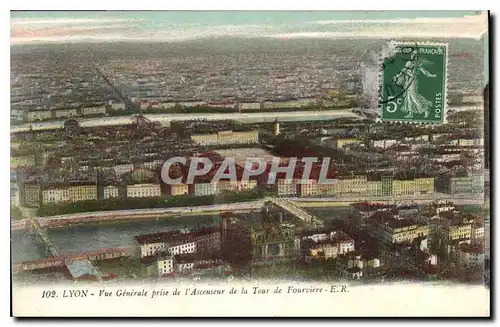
[(407, 78)]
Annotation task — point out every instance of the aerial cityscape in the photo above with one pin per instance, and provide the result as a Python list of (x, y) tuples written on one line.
[(93, 122)]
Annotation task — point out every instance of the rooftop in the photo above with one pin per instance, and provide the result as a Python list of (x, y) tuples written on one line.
[(155, 238), (472, 248), (306, 233), (408, 207), (401, 223), (340, 236), (367, 206), (80, 268), (241, 154), (185, 258), (388, 219), (174, 238), (203, 232)]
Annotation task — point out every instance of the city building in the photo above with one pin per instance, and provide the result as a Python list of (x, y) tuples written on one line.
[(24, 161), (121, 169), (72, 193), (179, 189), (163, 105), (374, 188), (448, 156), (342, 187), (419, 138), (205, 240), (471, 256), (55, 195), (152, 165), (143, 190), (348, 187), (170, 242), (335, 243), (247, 185), (472, 98), (118, 106), (334, 102), (310, 187), (289, 187), (360, 212), (32, 194), (314, 235), (406, 210), (240, 155), (165, 265), (227, 105), (18, 115), (271, 239), (470, 142), (249, 105), (454, 228), (202, 189), (39, 115), (408, 255), (208, 240), (152, 244), (350, 266), (111, 191), (444, 207), (205, 139), (386, 186), (97, 110), (297, 103), (209, 267), (471, 184), (226, 185), (182, 244), (273, 243), (413, 186), (342, 143), (439, 136), (230, 137), (384, 144), (184, 264), (141, 175), (387, 229), (276, 128), (83, 192), (66, 113), (477, 231), (14, 195), (191, 104), (226, 137)]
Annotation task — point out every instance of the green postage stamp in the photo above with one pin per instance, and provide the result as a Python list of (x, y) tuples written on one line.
[(413, 82)]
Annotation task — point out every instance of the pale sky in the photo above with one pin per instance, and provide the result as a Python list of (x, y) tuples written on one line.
[(62, 27)]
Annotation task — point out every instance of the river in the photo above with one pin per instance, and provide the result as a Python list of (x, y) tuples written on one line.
[(95, 236)]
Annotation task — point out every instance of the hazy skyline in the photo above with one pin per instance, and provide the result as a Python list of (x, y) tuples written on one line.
[(178, 26)]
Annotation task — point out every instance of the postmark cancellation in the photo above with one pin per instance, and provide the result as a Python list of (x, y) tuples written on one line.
[(412, 82)]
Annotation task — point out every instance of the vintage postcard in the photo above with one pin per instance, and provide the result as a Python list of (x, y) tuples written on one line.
[(251, 163)]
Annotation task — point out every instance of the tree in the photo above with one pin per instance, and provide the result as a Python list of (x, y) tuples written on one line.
[(236, 247), (15, 213)]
